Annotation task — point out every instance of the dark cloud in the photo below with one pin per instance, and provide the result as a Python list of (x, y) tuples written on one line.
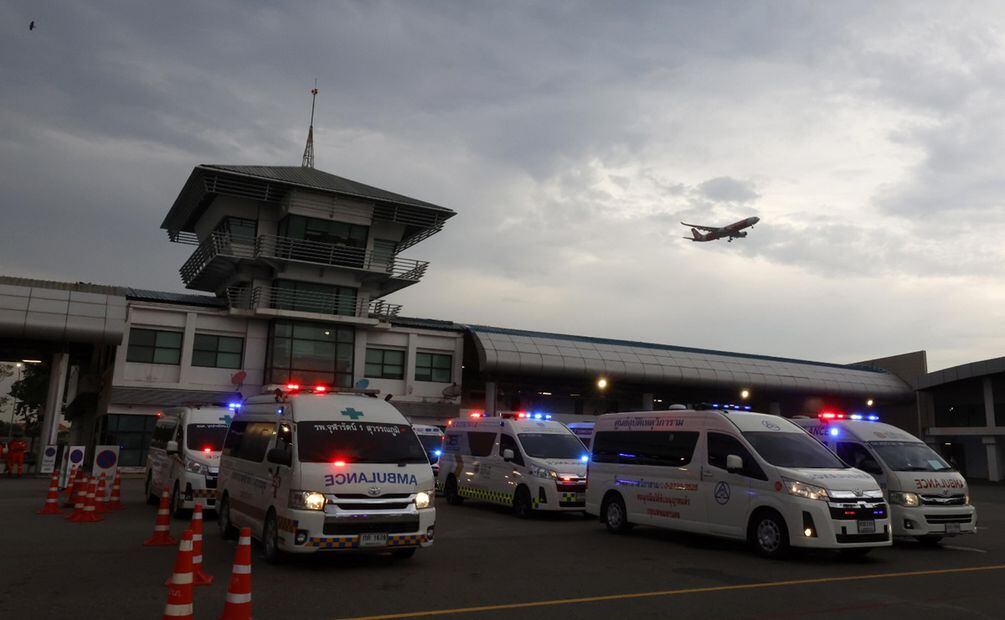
[(727, 189)]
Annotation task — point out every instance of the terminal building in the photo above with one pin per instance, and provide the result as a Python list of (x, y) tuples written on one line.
[(291, 270)]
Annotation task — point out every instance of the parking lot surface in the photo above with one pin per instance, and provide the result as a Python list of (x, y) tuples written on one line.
[(486, 563)]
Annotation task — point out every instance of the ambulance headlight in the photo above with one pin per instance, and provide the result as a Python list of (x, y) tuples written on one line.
[(195, 467), (905, 499), (544, 472), (307, 500), (801, 489), (423, 500)]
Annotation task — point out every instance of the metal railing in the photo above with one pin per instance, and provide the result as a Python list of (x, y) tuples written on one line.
[(286, 248), (248, 298)]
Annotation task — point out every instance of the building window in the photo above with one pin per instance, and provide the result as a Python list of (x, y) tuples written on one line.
[(217, 351), (131, 433), (385, 364), (152, 346), (313, 297), (326, 241), (239, 228), (311, 353), (960, 403), (434, 367)]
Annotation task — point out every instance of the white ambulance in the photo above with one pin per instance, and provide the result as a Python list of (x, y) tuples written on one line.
[(184, 455), (583, 430), (528, 463), (317, 470), (748, 476), (928, 498), (431, 438)]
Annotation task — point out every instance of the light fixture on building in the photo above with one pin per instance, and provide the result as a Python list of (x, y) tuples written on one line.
[(602, 383), (32, 361), (744, 394), (19, 365), (868, 403), (545, 393)]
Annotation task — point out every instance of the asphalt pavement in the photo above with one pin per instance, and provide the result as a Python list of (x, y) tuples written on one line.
[(486, 563)]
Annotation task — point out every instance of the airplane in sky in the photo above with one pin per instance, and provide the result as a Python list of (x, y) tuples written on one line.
[(733, 231)]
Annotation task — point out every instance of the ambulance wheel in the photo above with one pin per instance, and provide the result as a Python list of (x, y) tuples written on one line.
[(521, 503), (152, 499), (769, 535), (614, 514), (270, 540), (930, 540), (450, 492), (227, 529), (403, 554)]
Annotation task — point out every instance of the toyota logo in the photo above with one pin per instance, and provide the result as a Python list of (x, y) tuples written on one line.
[(857, 492), (373, 491)]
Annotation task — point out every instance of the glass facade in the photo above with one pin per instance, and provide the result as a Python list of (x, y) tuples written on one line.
[(960, 403), (153, 346), (385, 364), (311, 297), (217, 351), (346, 242), (310, 353), (131, 433), (433, 367)]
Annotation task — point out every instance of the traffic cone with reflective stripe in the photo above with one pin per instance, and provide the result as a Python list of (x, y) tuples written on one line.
[(52, 499), (238, 605), (115, 503), (90, 514), (78, 504), (99, 496), (162, 526), (179, 603), (200, 578), (71, 484)]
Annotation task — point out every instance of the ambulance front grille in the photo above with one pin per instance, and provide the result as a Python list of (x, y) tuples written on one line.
[(938, 519), (938, 500)]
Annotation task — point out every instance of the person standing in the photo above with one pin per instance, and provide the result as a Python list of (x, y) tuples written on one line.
[(15, 456)]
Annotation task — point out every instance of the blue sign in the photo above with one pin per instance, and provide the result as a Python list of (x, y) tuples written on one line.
[(106, 459), (50, 451), (76, 456)]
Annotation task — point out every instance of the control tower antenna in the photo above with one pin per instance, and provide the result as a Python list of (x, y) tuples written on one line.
[(309, 149)]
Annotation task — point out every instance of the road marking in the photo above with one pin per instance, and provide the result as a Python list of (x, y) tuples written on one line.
[(638, 595), (964, 548)]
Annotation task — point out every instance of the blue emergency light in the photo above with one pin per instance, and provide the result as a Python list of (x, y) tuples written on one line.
[(585, 458), (437, 452)]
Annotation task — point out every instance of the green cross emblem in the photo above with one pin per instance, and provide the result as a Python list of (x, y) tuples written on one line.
[(352, 414)]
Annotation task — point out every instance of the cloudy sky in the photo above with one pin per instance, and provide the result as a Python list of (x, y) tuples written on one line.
[(570, 137)]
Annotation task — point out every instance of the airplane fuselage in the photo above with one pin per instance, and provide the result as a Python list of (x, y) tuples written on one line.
[(730, 232)]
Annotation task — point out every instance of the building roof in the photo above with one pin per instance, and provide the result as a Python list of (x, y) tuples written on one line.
[(972, 370), (437, 324), (188, 299), (69, 312), (504, 350)]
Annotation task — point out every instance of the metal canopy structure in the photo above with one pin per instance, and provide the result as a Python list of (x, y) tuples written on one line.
[(510, 352)]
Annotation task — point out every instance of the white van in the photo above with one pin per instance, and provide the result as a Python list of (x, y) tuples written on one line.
[(928, 498), (748, 476), (525, 463), (431, 438), (583, 430), (184, 455), (320, 471)]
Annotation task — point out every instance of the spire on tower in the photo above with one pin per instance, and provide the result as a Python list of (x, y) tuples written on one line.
[(309, 149)]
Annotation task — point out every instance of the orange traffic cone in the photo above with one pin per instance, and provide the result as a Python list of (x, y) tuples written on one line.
[(99, 497), (71, 485), (162, 526), (179, 603), (81, 501), (200, 578), (52, 499), (115, 503), (238, 605), (90, 512)]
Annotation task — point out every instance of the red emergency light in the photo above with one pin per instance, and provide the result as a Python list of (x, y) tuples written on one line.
[(338, 463), (207, 450), (320, 389), (292, 387), (475, 414), (830, 415)]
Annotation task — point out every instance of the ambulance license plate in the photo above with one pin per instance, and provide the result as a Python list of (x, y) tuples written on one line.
[(866, 527), (952, 528), (373, 540)]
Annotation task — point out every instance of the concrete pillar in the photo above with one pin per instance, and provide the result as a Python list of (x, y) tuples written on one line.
[(413, 345), (490, 398), (647, 401), (185, 370), (53, 402), (995, 466)]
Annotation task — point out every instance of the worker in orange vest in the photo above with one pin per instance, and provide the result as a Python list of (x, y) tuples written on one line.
[(15, 456)]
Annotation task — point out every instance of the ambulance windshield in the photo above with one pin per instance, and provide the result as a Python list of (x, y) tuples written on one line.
[(432, 444), (552, 445), (358, 442), (909, 456), (796, 450), (202, 436)]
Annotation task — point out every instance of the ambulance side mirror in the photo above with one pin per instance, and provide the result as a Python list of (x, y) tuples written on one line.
[(280, 456), (734, 463), (172, 447), (508, 455)]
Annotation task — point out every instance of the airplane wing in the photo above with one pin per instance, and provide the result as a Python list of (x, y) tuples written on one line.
[(706, 228)]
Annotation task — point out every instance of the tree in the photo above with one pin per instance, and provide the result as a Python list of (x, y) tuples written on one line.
[(30, 393)]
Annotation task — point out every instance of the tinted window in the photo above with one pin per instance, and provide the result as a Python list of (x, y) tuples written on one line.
[(552, 445), (658, 448), (720, 446), (792, 450), (202, 436), (235, 435), (481, 443), (163, 433), (358, 442), (857, 456), (432, 444), (249, 440), (909, 456), (506, 442)]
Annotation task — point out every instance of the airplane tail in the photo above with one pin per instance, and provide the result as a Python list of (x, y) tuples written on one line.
[(696, 235)]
